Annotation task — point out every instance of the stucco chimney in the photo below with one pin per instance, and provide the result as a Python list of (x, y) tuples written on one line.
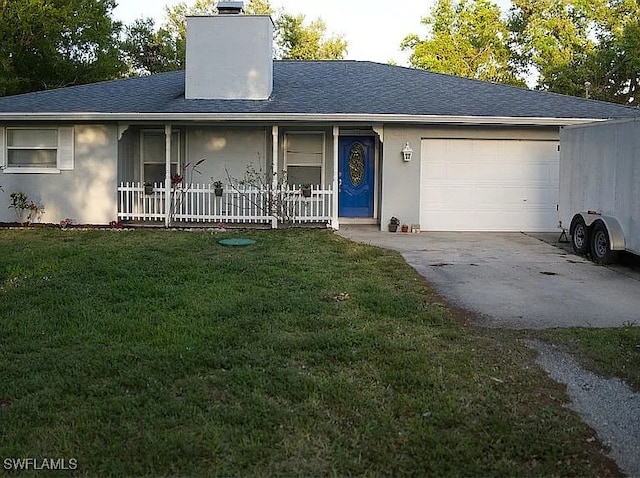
[(230, 8), (229, 57)]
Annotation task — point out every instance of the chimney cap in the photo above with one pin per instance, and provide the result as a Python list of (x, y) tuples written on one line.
[(226, 7)]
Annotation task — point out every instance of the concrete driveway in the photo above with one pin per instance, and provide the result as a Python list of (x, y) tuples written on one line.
[(516, 280)]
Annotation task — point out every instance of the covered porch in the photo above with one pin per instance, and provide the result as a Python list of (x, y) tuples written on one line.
[(179, 174)]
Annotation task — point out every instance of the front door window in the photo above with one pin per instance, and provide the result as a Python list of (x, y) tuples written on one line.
[(356, 164)]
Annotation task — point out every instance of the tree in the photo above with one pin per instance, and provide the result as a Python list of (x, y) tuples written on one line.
[(50, 44), (574, 43), (552, 36), (297, 41), (618, 61), (149, 50), (466, 38)]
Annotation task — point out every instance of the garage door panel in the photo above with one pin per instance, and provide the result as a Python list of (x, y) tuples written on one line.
[(492, 172), (511, 221), (506, 196), (489, 185)]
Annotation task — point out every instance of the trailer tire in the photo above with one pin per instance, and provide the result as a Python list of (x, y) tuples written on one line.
[(601, 252), (579, 236)]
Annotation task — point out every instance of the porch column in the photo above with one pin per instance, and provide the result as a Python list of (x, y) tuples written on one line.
[(167, 175), (334, 212), (274, 167)]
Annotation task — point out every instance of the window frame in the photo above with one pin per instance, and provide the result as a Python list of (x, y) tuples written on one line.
[(160, 132), (56, 169), (323, 154)]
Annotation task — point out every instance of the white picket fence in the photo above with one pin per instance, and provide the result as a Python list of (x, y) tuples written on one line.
[(198, 203)]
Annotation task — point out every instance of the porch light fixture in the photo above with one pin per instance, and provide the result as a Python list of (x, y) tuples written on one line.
[(407, 152)]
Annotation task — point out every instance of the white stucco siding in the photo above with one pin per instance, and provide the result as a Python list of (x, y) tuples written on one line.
[(400, 179), (86, 194), (227, 152)]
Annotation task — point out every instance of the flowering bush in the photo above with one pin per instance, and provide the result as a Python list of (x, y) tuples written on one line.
[(115, 225), (20, 203), (176, 179), (65, 223)]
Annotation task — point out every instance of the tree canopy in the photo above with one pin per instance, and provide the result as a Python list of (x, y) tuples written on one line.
[(573, 43), (574, 47), (150, 50), (467, 38), (298, 41), (49, 44)]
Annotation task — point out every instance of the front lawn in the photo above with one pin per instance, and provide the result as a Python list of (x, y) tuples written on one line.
[(164, 353)]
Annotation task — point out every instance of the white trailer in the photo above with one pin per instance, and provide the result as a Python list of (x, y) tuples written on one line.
[(600, 187)]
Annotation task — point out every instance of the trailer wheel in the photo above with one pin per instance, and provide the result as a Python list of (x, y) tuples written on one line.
[(579, 236), (601, 252)]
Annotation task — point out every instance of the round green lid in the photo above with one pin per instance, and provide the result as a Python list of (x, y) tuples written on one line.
[(236, 242)]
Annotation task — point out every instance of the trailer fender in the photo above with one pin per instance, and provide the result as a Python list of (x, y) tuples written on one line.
[(616, 234)]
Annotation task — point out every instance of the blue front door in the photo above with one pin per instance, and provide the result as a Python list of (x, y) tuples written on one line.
[(355, 195)]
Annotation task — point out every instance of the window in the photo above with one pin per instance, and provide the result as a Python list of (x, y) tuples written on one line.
[(304, 158), (39, 150), (153, 155)]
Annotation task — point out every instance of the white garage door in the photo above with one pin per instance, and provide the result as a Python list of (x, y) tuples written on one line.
[(489, 185)]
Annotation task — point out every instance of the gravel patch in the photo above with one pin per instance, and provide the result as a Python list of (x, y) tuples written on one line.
[(609, 406)]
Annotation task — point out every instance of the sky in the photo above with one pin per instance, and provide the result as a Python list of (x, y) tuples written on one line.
[(373, 29)]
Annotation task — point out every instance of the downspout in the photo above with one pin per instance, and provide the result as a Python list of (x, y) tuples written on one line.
[(274, 168), (168, 199), (334, 213)]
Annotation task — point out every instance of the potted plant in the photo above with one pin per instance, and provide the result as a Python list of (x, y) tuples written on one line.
[(218, 188), (394, 222), (405, 228), (306, 190), (148, 188)]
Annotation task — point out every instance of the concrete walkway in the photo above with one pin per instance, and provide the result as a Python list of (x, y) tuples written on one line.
[(515, 280)]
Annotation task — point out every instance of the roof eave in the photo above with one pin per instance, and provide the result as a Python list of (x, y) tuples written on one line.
[(303, 117)]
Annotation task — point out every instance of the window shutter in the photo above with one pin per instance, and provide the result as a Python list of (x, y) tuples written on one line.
[(65, 148), (3, 151)]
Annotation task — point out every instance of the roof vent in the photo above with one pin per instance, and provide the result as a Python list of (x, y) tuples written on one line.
[(230, 8)]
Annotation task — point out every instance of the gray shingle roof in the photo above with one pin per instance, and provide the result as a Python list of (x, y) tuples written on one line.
[(322, 88)]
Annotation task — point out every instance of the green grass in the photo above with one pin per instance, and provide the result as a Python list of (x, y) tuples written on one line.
[(164, 353)]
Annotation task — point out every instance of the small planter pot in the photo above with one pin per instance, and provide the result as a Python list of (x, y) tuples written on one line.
[(306, 192), (405, 228), (218, 192), (148, 189), (393, 227)]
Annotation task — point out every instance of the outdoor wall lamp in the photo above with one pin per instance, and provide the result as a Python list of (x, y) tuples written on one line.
[(407, 152)]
